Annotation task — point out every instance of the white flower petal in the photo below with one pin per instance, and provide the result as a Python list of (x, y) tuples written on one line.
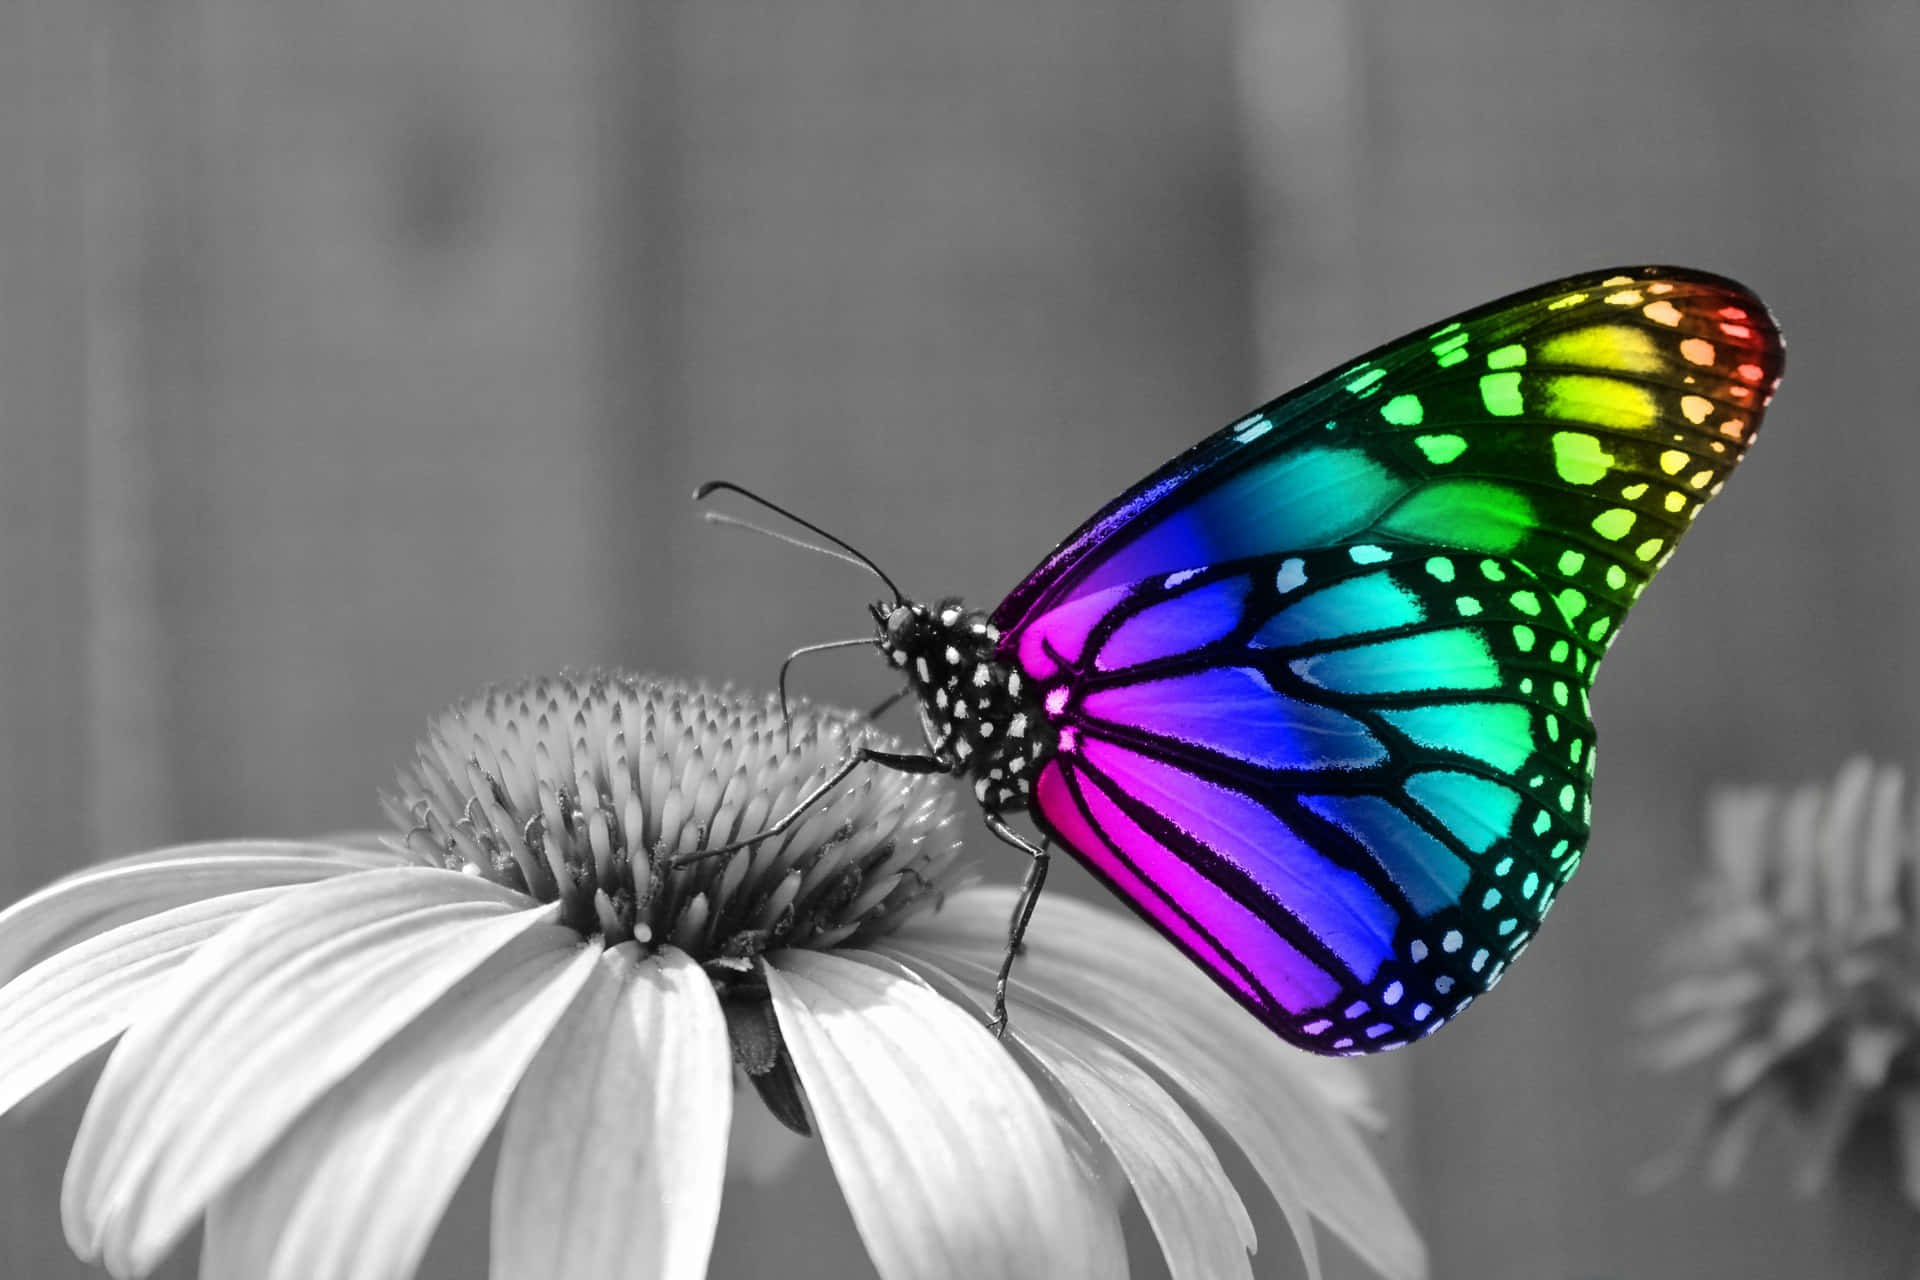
[(357, 1186), (948, 1158), (1119, 979), (1881, 853), (77, 1000), (616, 1146), (261, 1022), (1192, 1205), (100, 897), (366, 840), (1282, 1170)]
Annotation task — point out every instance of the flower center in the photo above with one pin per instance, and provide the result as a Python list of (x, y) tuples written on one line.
[(590, 789)]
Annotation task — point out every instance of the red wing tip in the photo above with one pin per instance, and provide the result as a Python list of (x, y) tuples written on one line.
[(1713, 310)]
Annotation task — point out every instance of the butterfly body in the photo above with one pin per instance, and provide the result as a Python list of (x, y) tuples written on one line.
[(982, 719)]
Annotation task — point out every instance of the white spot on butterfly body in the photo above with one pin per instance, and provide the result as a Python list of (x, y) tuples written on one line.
[(920, 665), (981, 676), (949, 616), (1017, 727)]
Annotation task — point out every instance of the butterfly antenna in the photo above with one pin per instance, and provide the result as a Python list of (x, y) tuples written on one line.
[(853, 554), (735, 522)]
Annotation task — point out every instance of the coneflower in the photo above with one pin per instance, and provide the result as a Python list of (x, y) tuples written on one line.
[(1797, 983), (315, 1038)]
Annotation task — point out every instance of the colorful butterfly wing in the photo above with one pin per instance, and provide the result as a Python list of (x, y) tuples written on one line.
[(1319, 684)]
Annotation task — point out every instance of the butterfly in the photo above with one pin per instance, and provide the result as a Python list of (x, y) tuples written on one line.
[(1312, 698)]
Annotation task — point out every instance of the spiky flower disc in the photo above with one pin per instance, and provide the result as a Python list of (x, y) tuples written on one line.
[(584, 788)]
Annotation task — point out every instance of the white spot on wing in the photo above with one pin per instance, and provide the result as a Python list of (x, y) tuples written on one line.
[(1252, 427)]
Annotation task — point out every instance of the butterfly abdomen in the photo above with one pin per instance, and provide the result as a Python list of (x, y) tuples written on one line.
[(981, 717)]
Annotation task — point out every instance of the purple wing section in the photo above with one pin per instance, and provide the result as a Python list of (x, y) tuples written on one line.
[(1189, 621), (1230, 941), (1234, 711), (1250, 844)]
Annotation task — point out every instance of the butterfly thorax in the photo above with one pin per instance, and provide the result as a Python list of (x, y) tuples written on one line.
[(981, 718)]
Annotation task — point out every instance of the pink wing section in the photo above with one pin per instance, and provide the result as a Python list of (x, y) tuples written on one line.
[(1333, 902), (1224, 937)]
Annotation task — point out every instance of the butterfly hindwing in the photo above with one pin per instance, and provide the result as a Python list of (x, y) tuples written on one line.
[(1353, 800), (1320, 684)]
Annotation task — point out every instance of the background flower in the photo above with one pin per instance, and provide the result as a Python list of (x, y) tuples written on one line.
[(1798, 983), (315, 1039)]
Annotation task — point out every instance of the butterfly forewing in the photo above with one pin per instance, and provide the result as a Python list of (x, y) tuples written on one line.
[(1320, 684), (1591, 416)]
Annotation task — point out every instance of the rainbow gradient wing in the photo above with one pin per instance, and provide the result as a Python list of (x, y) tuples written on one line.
[(1319, 685)]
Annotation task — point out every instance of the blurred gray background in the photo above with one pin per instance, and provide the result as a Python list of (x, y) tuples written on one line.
[(355, 353)]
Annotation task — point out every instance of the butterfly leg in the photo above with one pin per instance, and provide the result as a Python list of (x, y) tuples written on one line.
[(865, 755), (1022, 911)]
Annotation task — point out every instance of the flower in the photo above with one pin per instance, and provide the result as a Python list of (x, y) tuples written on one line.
[(1798, 980), (315, 1038)]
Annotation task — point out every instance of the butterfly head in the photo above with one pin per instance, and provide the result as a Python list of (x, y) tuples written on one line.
[(895, 621), (978, 715), (936, 645)]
